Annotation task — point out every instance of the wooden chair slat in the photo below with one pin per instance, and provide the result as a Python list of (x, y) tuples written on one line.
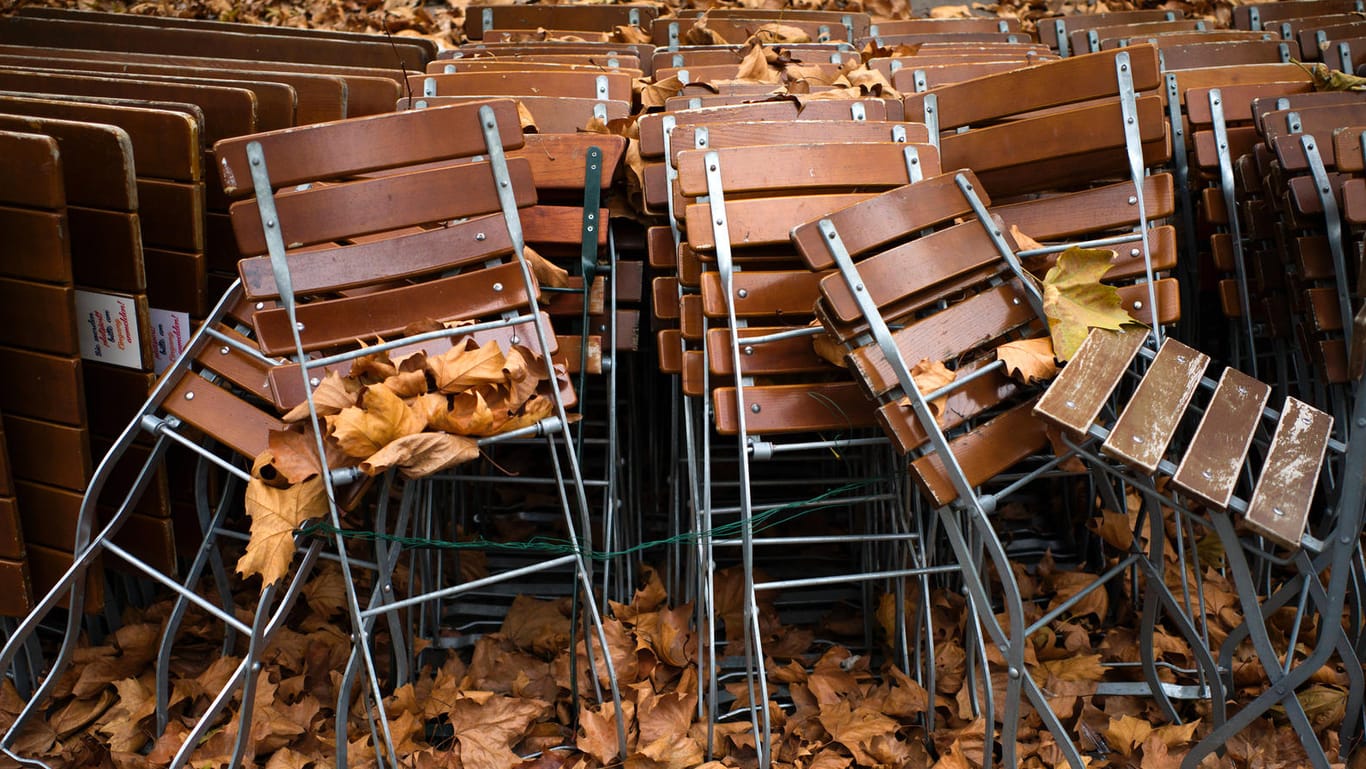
[(765, 293), (964, 403), (41, 386), (230, 420), (330, 212), (22, 301), (177, 281), (982, 454), (1076, 396), (794, 408), (97, 160), (385, 313), (787, 356), (400, 257), (803, 166), (1150, 418), (763, 221), (1214, 457), (1279, 508)]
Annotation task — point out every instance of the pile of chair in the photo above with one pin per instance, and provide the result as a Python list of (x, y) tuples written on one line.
[(841, 230)]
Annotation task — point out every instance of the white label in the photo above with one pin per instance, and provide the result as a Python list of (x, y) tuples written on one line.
[(109, 328), (170, 334)]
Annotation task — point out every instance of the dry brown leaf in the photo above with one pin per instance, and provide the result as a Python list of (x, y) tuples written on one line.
[(421, 454), (671, 751), (599, 738), (467, 364), (1029, 360), (332, 394), (828, 349), (122, 724), (284, 758), (275, 514), (547, 273), (536, 625), (1126, 733), (79, 713), (665, 715), (754, 67), (384, 417), (775, 32), (854, 728), (293, 457), (653, 95), (1022, 241), (930, 375)]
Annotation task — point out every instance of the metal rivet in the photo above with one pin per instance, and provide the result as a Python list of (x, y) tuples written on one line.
[(1133, 252), (503, 184), (831, 236), (1137, 439), (749, 349), (299, 326), (720, 222), (859, 288), (1133, 201), (1138, 305), (256, 161), (488, 125), (497, 287), (1015, 300), (314, 381), (755, 408), (1070, 404), (1278, 512), (742, 293), (1013, 672), (255, 667), (260, 305), (480, 236), (516, 339), (711, 168), (1180, 359), (189, 396), (223, 350), (270, 224), (1207, 475)]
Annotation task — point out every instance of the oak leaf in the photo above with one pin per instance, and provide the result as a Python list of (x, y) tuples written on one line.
[(275, 514), (1075, 300), (1029, 360), (421, 454), (384, 417)]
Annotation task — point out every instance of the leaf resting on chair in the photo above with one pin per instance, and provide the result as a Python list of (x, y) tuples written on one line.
[(1075, 300)]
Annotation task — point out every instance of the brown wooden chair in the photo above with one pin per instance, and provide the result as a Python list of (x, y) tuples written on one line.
[(1056, 32)]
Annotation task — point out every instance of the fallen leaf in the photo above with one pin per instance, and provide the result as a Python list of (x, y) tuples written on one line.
[(467, 364), (1075, 300), (487, 730), (1126, 733), (421, 454), (383, 417), (930, 375), (1022, 241), (275, 514), (854, 728), (332, 394), (1029, 360)]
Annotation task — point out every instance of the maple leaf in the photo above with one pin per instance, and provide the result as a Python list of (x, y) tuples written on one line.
[(466, 365), (421, 454), (754, 67), (1070, 583), (384, 417), (332, 394), (487, 730), (326, 592), (930, 375), (1075, 300), (284, 758), (655, 94), (1126, 733), (599, 738), (275, 514), (1022, 241), (670, 751), (1029, 360), (293, 457), (665, 715), (854, 728), (122, 724), (536, 625)]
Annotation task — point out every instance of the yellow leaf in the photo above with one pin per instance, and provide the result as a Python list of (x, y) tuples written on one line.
[(1326, 79), (1176, 735), (1029, 360), (384, 417), (275, 514), (421, 454), (1075, 301), (532, 411)]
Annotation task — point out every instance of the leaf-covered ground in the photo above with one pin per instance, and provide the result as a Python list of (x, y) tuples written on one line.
[(505, 701)]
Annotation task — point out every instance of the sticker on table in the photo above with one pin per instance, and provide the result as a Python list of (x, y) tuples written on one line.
[(170, 334), (109, 328)]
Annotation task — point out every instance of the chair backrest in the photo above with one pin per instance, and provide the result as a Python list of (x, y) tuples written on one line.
[(1264, 15), (603, 18)]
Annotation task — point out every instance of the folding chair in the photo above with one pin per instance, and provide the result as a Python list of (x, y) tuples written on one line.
[(955, 307), (1056, 32), (1215, 474), (748, 360), (491, 285)]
